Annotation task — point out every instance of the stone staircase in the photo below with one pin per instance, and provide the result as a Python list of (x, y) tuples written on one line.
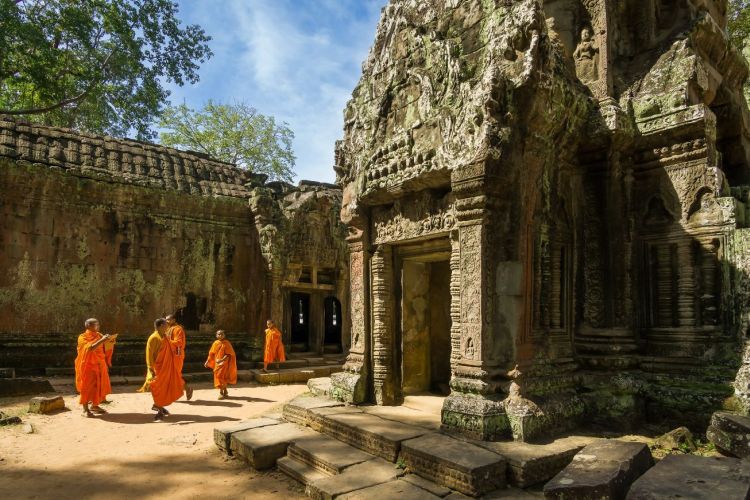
[(340, 451)]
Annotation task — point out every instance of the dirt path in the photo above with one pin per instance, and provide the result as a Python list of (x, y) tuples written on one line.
[(125, 454)]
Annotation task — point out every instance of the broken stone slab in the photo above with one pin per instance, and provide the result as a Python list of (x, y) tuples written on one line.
[(46, 405), (298, 409), (262, 446), (326, 454), (604, 469), (730, 433), (223, 433), (692, 476), (392, 489), (455, 464), (356, 477), (423, 483), (530, 464), (299, 471), (24, 387), (372, 434)]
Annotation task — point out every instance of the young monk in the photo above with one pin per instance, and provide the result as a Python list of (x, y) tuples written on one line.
[(177, 338), (153, 344), (167, 385), (274, 350), (222, 360), (92, 363)]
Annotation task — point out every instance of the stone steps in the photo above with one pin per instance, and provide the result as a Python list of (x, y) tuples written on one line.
[(294, 375), (326, 454), (300, 471)]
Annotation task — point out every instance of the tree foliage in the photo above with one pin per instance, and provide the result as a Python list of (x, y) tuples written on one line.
[(234, 133), (95, 65), (739, 22)]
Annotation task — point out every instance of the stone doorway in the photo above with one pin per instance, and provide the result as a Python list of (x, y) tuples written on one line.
[(424, 320), (332, 325), (300, 321)]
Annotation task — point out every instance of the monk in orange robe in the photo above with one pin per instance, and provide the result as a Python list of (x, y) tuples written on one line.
[(178, 340), (166, 384), (92, 367), (223, 361), (274, 347)]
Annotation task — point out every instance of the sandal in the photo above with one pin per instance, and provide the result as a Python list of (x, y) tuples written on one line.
[(188, 393), (98, 409), (88, 414)]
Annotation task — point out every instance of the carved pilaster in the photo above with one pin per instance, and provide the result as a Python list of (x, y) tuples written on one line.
[(685, 285), (455, 289), (382, 326)]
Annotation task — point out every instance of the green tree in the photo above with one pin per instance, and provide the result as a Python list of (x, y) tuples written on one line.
[(95, 65), (234, 133), (739, 22)]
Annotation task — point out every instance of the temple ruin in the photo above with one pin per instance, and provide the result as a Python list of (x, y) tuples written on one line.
[(547, 214), (128, 231)]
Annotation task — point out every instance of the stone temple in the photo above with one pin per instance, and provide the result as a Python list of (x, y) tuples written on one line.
[(129, 231), (547, 211)]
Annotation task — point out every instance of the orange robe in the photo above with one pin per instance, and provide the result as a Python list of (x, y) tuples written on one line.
[(178, 340), (274, 347), (167, 385), (92, 368), (225, 373)]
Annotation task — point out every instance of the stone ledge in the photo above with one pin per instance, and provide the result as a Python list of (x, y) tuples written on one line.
[(223, 433), (262, 447)]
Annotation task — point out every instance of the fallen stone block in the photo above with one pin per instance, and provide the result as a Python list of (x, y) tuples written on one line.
[(530, 464), (261, 447), (604, 469), (223, 433), (356, 477), (730, 433), (8, 420), (326, 454), (392, 489), (677, 439), (455, 464), (691, 476), (24, 387), (46, 405)]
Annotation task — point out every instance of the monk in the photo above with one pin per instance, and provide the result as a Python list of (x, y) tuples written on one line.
[(153, 344), (166, 385), (274, 347), (223, 361), (177, 338), (92, 367)]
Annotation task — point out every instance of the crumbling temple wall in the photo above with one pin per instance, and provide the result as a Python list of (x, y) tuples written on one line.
[(585, 165), (128, 232)]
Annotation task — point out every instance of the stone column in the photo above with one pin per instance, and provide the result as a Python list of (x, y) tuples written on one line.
[(475, 406), (351, 384), (382, 326)]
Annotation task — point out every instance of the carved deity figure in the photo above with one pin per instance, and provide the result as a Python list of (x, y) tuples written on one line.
[(586, 58)]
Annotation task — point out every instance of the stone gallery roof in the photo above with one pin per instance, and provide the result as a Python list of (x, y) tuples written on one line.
[(123, 160)]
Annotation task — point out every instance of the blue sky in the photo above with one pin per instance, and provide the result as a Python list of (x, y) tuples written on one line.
[(297, 60)]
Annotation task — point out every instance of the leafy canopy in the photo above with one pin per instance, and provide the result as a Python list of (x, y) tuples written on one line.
[(234, 133), (95, 65), (739, 22)]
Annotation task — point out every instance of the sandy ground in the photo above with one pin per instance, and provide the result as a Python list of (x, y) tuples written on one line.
[(125, 454)]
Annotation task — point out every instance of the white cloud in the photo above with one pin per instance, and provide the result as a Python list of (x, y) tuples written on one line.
[(298, 60)]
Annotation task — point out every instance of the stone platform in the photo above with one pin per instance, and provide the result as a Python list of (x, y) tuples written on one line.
[(343, 451)]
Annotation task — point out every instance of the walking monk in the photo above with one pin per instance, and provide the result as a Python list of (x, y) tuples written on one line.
[(166, 382), (153, 344), (92, 365), (274, 347), (222, 360), (177, 339)]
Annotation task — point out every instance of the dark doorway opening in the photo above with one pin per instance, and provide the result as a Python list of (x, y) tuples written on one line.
[(332, 334), (190, 315), (300, 318)]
